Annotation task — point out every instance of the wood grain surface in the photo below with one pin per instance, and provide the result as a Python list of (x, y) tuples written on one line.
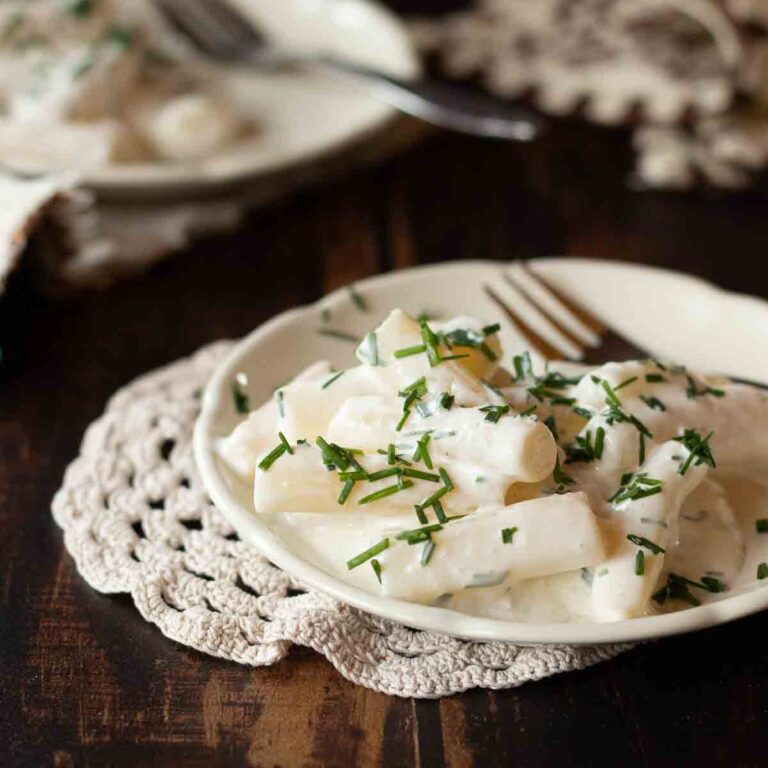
[(84, 681)]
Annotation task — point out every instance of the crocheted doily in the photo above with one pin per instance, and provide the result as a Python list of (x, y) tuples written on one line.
[(136, 519)]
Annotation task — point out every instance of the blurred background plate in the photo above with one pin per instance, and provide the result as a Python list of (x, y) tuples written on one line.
[(301, 116)]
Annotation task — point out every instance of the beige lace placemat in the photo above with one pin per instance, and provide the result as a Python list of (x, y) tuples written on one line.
[(136, 519)]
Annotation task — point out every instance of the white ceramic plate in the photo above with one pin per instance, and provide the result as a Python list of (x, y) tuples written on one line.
[(301, 116), (673, 315)]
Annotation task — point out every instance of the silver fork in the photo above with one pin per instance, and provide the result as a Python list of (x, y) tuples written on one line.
[(579, 335), (220, 31)]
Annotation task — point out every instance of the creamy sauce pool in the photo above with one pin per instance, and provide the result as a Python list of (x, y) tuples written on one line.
[(718, 537)]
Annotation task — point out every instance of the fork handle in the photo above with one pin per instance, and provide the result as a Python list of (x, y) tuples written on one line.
[(442, 104), (445, 105)]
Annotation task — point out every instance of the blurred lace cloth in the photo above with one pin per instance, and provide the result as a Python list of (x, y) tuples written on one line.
[(690, 75)]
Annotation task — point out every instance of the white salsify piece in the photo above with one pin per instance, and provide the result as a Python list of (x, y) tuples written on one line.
[(738, 419), (300, 482), (548, 535), (400, 331), (308, 406), (521, 448), (304, 408), (618, 592), (257, 433)]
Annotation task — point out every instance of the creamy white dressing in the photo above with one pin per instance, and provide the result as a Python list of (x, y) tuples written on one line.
[(596, 495)]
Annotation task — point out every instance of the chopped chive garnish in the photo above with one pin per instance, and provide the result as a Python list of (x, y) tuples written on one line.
[(430, 342), (440, 512), (382, 473), (357, 299), (423, 451), (507, 534), (376, 565), (462, 337), (693, 392), (419, 475), (426, 552), (560, 477), (331, 379), (446, 401), (447, 482), (615, 415), (409, 351), (712, 584), (762, 571), (529, 411), (654, 378), (490, 330), (599, 442), (384, 492), (417, 389), (625, 383), (585, 413), (345, 491), (280, 403), (333, 455), (368, 351), (641, 541), (242, 401), (357, 474), (421, 515), (400, 424), (391, 454), (699, 449), (761, 525), (452, 357), (272, 457), (494, 412), (418, 532), (425, 410), (677, 587), (432, 500), (285, 443), (636, 487), (523, 366), (653, 403), (641, 449), (640, 562), (341, 335), (551, 424), (610, 394), (370, 553)]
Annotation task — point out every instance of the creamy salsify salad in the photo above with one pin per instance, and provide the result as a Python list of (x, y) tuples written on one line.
[(86, 83), (433, 474)]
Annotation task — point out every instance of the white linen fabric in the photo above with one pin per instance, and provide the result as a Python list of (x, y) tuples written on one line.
[(137, 520)]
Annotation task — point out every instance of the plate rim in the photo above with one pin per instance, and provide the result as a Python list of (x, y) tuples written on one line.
[(432, 618)]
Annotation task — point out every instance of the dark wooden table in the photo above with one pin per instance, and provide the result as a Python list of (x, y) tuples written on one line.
[(85, 681)]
